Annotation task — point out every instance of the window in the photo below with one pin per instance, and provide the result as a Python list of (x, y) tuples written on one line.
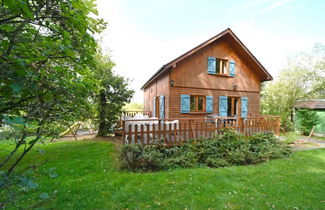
[(197, 103), (233, 104), (221, 66)]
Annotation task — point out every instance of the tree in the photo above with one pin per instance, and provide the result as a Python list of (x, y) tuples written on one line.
[(307, 120), (303, 78), (133, 107), (112, 96), (47, 52)]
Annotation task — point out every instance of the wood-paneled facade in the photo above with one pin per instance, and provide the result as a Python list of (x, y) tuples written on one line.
[(188, 75)]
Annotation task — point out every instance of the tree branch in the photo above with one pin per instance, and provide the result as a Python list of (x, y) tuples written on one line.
[(19, 143), (9, 18)]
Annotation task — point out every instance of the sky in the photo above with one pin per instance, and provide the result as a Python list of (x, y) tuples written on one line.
[(143, 35)]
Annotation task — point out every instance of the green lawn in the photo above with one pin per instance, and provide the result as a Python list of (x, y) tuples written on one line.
[(88, 178)]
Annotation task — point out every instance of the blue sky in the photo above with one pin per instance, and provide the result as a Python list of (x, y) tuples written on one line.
[(143, 35)]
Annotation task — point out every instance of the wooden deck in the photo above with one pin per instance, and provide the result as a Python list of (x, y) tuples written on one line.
[(176, 131)]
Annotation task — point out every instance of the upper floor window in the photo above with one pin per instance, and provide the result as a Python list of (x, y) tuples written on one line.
[(221, 66)]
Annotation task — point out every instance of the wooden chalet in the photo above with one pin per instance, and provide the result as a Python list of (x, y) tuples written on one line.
[(219, 77)]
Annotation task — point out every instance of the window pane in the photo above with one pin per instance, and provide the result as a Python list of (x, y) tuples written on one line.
[(229, 106), (235, 108), (218, 66), (200, 103), (193, 103), (224, 69)]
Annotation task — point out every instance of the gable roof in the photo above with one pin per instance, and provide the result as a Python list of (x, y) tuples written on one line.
[(228, 31), (310, 104)]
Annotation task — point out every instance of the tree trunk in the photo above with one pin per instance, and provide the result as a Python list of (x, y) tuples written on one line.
[(102, 121), (291, 115)]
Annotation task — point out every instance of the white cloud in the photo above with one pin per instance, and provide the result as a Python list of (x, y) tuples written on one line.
[(275, 5)]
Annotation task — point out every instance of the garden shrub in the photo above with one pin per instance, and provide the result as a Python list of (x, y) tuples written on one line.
[(307, 119), (227, 149)]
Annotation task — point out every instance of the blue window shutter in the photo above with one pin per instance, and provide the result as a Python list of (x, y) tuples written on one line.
[(211, 65), (223, 106), (162, 107), (244, 106), (185, 103), (232, 68), (209, 104), (154, 107)]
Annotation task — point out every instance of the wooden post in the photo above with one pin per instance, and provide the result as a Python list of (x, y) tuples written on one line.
[(164, 130), (130, 134), (170, 134), (136, 133), (159, 130), (311, 133), (175, 133), (185, 132), (277, 131), (196, 131), (190, 134), (240, 124), (180, 133), (123, 132), (147, 134), (141, 134), (74, 135), (153, 132)]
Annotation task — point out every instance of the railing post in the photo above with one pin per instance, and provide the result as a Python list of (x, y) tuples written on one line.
[(277, 131), (123, 131), (241, 124), (190, 129)]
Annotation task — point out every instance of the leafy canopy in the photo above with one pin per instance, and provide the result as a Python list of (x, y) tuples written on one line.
[(47, 52), (303, 78)]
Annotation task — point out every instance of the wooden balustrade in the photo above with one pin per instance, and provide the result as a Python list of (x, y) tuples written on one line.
[(133, 113), (147, 131)]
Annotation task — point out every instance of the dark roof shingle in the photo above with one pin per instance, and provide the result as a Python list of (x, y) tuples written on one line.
[(311, 104)]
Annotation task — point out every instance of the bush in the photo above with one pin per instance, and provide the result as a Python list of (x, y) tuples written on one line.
[(229, 148), (307, 119)]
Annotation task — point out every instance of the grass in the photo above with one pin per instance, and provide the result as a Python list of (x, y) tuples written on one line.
[(88, 178)]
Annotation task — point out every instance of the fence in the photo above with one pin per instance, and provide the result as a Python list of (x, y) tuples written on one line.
[(179, 130)]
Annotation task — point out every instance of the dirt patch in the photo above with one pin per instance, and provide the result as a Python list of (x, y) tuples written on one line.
[(303, 144), (113, 139)]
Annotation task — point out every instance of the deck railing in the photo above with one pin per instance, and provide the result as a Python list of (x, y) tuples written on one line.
[(176, 131), (133, 113)]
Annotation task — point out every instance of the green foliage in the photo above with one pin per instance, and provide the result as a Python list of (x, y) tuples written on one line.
[(227, 149), (303, 78), (306, 120), (112, 96), (47, 53), (133, 107)]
